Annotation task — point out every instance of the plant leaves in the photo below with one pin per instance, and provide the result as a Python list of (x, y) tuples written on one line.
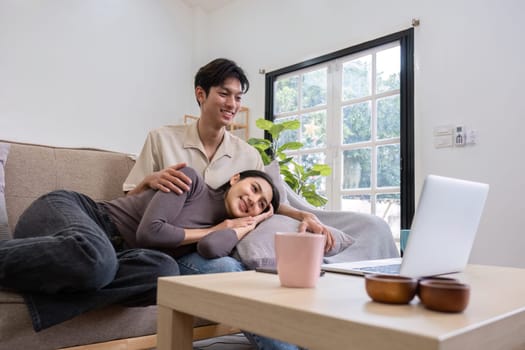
[(264, 124), (256, 141), (266, 158), (276, 130), (294, 174), (291, 124), (260, 144), (314, 198), (323, 169), (290, 146)]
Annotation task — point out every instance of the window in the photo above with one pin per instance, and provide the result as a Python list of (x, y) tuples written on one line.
[(355, 107)]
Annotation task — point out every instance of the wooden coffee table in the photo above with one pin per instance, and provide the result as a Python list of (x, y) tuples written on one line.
[(338, 313)]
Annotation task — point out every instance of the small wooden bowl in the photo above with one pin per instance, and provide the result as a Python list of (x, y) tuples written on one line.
[(444, 296), (435, 278), (390, 289)]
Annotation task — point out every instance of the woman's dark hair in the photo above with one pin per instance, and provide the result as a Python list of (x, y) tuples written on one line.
[(217, 71), (276, 198)]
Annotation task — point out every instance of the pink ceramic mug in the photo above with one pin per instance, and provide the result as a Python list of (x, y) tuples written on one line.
[(299, 257)]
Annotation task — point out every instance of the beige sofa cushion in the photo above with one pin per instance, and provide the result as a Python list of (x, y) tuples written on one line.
[(33, 170)]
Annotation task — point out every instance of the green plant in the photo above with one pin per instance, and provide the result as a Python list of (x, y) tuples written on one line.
[(298, 177)]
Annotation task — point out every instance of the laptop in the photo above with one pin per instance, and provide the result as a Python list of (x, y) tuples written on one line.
[(442, 232)]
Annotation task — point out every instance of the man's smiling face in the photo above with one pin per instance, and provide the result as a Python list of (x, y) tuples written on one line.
[(222, 102)]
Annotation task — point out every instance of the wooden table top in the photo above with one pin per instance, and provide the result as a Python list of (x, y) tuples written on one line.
[(338, 311)]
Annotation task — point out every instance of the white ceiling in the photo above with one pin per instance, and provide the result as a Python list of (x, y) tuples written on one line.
[(207, 5)]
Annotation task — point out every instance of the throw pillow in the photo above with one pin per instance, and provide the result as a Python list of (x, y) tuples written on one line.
[(257, 249), (274, 171), (4, 228)]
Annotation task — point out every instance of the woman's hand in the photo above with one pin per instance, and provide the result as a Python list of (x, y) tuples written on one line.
[(236, 223), (312, 224), (263, 216), (244, 221), (241, 226), (243, 230)]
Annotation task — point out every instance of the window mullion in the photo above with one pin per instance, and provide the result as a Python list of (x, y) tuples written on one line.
[(373, 126), (333, 134)]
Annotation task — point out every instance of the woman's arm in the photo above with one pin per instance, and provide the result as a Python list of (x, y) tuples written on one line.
[(227, 234), (239, 226), (157, 228)]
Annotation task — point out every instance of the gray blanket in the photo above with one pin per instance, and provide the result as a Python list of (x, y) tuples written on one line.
[(372, 236), (358, 236)]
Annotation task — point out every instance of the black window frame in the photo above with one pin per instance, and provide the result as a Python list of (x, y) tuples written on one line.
[(406, 40)]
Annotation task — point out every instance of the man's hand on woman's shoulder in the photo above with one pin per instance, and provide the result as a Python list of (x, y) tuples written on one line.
[(170, 179)]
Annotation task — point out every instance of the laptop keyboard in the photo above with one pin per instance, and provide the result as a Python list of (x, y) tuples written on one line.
[(385, 269)]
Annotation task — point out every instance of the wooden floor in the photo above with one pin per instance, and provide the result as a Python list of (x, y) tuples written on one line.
[(150, 341), (139, 343)]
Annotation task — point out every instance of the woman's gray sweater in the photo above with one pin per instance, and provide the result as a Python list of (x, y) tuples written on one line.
[(156, 219)]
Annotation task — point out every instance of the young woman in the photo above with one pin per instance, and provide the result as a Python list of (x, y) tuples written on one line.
[(71, 254)]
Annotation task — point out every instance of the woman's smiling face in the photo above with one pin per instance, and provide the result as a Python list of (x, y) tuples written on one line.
[(248, 197)]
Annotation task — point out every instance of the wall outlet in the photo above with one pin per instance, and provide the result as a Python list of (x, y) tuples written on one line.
[(459, 136)]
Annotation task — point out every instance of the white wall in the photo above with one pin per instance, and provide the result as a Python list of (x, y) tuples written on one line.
[(469, 70), (93, 73), (102, 73)]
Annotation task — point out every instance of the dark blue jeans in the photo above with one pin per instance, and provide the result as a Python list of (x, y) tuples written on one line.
[(66, 259)]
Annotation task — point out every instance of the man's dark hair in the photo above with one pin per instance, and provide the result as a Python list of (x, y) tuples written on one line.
[(217, 71), (276, 198)]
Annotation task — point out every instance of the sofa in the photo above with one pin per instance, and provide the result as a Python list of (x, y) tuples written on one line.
[(32, 170)]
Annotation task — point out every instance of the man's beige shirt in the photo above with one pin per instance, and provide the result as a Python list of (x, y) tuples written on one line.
[(173, 144)]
